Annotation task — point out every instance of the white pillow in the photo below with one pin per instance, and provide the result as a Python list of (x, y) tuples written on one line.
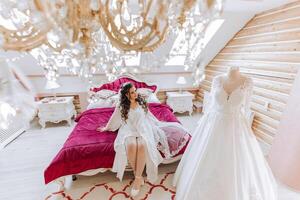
[(152, 98), (101, 103), (144, 92), (115, 99), (104, 94)]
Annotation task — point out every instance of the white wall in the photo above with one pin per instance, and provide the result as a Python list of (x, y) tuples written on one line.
[(165, 77), (74, 84)]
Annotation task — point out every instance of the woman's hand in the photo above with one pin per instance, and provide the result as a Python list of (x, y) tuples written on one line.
[(101, 129)]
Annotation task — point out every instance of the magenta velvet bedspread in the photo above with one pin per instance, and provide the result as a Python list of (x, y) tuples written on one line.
[(87, 148)]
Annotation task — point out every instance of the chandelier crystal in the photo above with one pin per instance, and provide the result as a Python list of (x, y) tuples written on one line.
[(91, 36)]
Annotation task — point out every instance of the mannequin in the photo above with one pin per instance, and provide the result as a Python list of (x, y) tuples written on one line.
[(223, 137), (233, 80)]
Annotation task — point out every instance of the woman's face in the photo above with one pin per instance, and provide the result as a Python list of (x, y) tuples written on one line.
[(132, 93)]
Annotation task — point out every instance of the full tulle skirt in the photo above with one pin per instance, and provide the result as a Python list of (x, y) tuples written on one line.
[(224, 162)]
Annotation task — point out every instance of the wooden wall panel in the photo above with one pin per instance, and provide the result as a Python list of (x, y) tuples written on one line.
[(268, 50)]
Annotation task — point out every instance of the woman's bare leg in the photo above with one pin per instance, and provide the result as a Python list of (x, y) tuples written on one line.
[(131, 149), (140, 162)]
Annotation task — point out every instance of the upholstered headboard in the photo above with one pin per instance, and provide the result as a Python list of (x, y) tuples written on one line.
[(116, 85)]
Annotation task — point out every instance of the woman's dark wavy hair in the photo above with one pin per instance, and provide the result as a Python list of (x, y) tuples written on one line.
[(125, 102)]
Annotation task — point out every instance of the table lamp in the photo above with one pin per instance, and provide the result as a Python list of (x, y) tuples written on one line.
[(181, 81), (51, 85)]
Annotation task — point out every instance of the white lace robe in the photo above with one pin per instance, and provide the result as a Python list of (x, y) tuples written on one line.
[(145, 125)]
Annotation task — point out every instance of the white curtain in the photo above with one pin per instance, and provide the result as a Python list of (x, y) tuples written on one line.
[(16, 94)]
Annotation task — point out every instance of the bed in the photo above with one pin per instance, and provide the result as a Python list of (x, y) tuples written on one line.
[(87, 151)]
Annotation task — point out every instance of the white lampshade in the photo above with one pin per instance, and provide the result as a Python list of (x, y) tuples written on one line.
[(51, 85), (181, 80)]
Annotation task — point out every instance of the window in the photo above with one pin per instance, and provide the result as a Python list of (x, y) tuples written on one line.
[(176, 60), (130, 60), (179, 49)]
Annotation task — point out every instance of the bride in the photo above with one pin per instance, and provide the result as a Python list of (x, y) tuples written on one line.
[(140, 136), (223, 160)]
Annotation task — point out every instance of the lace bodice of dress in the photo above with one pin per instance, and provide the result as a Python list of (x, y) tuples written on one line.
[(237, 100)]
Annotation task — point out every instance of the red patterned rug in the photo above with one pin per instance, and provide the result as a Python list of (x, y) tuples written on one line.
[(161, 190)]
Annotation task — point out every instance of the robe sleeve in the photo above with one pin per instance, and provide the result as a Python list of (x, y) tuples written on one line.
[(249, 91), (153, 118), (247, 101), (215, 83), (115, 120), (207, 101)]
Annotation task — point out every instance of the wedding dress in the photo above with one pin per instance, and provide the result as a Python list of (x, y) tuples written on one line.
[(223, 160)]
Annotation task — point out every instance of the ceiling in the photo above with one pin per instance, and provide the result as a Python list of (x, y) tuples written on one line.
[(254, 6)]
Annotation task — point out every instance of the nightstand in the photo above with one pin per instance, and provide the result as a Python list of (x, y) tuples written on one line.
[(180, 101), (55, 110)]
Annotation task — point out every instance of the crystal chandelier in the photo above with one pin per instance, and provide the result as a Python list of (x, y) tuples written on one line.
[(138, 26), (93, 35)]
